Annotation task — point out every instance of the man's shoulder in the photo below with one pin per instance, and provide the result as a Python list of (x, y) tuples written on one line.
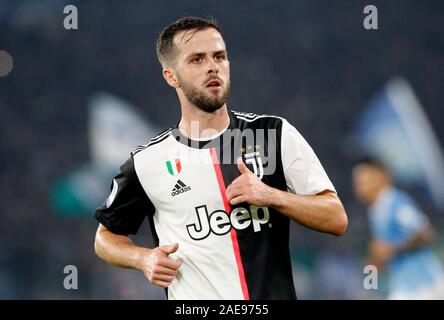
[(258, 120), (157, 140)]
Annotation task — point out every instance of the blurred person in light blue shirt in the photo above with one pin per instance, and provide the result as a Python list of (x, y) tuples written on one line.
[(401, 235)]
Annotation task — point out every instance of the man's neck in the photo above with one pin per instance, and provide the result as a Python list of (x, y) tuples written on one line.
[(198, 124)]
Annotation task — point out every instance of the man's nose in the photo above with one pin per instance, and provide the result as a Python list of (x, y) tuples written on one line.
[(213, 67)]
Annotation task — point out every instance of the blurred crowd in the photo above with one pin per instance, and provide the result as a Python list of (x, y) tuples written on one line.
[(309, 61)]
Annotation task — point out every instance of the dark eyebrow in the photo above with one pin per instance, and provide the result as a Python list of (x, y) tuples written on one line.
[(199, 54), (219, 52), (194, 54)]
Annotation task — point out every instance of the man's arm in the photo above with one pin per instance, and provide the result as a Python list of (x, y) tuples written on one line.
[(122, 214), (119, 250), (381, 252), (321, 212), (425, 236)]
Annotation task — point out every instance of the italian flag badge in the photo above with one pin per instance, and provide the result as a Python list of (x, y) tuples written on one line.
[(174, 166)]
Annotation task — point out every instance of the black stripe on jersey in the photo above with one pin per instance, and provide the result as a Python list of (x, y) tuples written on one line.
[(245, 114), (138, 149), (157, 141), (249, 117), (160, 135), (135, 151), (158, 138), (265, 254), (257, 117), (248, 120)]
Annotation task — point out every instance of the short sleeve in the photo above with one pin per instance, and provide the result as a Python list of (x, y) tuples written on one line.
[(127, 205), (303, 171)]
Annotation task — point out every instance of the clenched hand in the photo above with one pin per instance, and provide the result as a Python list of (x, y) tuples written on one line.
[(158, 267), (248, 188)]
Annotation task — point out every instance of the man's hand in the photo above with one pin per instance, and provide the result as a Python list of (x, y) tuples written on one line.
[(248, 188), (322, 211), (158, 267), (381, 253)]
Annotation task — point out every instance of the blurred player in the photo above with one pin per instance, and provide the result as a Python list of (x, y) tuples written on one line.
[(215, 188), (401, 235)]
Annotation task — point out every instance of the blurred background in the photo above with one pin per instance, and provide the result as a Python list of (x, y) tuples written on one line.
[(73, 103)]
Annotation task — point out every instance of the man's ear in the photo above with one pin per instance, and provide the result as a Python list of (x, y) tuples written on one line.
[(170, 76)]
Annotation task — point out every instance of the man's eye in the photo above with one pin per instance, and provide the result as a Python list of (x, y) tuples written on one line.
[(197, 59), (219, 57)]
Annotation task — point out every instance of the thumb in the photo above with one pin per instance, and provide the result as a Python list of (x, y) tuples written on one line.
[(241, 166), (170, 249)]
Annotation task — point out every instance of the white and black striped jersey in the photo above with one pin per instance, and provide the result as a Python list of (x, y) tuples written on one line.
[(227, 252)]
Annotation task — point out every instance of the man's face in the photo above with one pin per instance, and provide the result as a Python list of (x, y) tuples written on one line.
[(202, 68), (368, 180)]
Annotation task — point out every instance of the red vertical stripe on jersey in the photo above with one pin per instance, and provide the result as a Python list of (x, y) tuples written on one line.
[(240, 266), (178, 165)]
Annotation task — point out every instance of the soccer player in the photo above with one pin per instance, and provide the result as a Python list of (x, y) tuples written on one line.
[(219, 190), (401, 235)]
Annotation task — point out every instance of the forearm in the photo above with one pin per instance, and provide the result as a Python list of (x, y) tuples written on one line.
[(118, 250), (322, 212), (155, 263), (423, 238)]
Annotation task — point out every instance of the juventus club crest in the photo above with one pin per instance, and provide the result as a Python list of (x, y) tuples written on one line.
[(254, 158)]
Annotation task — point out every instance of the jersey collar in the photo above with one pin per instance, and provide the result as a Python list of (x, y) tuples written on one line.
[(205, 144)]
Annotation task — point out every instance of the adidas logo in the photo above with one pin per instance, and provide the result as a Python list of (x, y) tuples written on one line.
[(179, 188)]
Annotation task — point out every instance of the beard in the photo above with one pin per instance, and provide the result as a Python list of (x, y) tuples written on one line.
[(205, 101)]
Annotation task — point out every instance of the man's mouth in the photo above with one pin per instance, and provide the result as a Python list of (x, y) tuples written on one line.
[(214, 84)]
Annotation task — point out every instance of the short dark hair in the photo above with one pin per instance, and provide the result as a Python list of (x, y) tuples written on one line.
[(372, 161), (165, 47)]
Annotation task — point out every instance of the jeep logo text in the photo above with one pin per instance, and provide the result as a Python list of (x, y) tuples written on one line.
[(220, 222)]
